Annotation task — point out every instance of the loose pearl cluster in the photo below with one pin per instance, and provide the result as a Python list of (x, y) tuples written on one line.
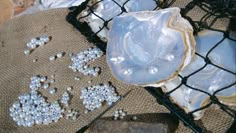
[(39, 81), (72, 114), (94, 96), (80, 60), (58, 55), (35, 42), (119, 114), (31, 108)]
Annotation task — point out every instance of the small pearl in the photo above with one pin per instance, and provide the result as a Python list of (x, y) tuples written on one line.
[(33, 46), (120, 111), (134, 118), (59, 54), (29, 44), (53, 76), (41, 43), (52, 90), (69, 88), (43, 78), (90, 81), (45, 86), (35, 60), (52, 58), (26, 52), (77, 78)]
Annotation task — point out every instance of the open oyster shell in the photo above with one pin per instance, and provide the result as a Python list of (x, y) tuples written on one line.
[(210, 79), (149, 47), (108, 9)]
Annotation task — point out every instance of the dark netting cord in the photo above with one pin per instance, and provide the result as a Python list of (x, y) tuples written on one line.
[(217, 9)]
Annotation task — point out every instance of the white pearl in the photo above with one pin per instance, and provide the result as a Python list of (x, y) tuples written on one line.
[(43, 78), (53, 76), (52, 90), (59, 54), (45, 86), (77, 78), (69, 88), (33, 40), (26, 52), (35, 60), (52, 58), (33, 46)]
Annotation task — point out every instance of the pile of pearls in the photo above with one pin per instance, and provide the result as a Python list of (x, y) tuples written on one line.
[(80, 60), (38, 81), (94, 96), (31, 109), (35, 42), (72, 114), (119, 114)]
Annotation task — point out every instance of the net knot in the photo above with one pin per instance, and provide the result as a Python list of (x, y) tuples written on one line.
[(184, 80), (207, 60), (123, 9), (214, 99), (226, 34)]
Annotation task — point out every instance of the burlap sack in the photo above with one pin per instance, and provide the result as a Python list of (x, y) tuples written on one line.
[(16, 70)]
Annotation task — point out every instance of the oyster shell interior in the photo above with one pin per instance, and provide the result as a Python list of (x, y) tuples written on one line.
[(149, 47), (209, 79), (108, 9)]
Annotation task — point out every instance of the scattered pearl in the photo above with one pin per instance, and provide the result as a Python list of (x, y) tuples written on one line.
[(69, 89), (35, 60), (53, 76), (45, 86), (134, 118), (52, 90), (59, 54), (77, 78), (43, 78), (90, 81), (26, 52), (52, 58), (119, 114), (72, 114), (34, 42)]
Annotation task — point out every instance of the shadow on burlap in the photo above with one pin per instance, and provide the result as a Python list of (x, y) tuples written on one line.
[(16, 70)]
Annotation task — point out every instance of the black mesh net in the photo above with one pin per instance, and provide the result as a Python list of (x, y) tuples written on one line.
[(213, 11)]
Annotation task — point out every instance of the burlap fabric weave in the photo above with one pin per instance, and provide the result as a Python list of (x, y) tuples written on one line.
[(16, 70)]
